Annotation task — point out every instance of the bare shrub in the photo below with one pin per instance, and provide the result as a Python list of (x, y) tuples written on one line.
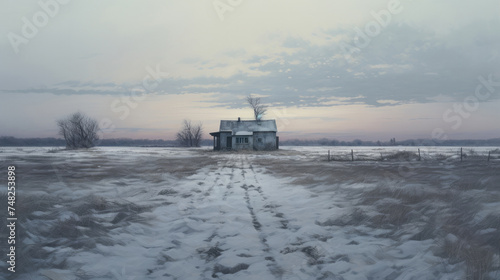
[(79, 131), (190, 135)]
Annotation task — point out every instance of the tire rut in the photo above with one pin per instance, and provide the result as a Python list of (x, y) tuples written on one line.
[(235, 182), (270, 206), (273, 265)]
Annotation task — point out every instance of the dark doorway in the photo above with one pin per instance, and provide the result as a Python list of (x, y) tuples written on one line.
[(229, 142)]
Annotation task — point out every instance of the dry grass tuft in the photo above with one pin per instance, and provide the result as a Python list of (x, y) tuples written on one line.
[(404, 193), (73, 223), (478, 259), (356, 217), (467, 241), (391, 215), (401, 156)]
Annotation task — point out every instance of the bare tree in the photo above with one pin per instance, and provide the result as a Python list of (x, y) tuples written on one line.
[(258, 108), (79, 131), (190, 135)]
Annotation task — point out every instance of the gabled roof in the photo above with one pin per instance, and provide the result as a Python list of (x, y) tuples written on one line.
[(243, 133), (253, 126)]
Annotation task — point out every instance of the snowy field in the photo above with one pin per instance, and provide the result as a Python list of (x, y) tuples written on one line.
[(169, 213)]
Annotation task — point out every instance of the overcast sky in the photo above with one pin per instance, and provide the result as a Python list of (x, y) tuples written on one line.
[(371, 70)]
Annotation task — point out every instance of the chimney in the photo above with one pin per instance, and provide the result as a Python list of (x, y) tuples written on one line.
[(239, 119)]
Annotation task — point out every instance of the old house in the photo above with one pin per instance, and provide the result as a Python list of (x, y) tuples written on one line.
[(246, 135)]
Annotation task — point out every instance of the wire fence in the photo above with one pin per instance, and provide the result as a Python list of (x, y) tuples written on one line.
[(382, 154)]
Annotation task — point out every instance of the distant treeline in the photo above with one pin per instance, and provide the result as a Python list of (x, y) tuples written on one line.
[(8, 141), (392, 142)]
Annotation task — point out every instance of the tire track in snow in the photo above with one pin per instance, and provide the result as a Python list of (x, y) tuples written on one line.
[(219, 173), (272, 207), (274, 267), (229, 185), (199, 194), (199, 212), (209, 193), (293, 255), (222, 240), (225, 248)]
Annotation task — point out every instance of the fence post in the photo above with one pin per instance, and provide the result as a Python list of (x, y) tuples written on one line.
[(419, 154), (489, 152), (461, 154), (328, 155), (352, 155)]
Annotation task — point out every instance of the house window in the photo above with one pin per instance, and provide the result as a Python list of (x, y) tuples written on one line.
[(259, 140), (241, 140)]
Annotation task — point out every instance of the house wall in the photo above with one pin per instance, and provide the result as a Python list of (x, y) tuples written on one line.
[(243, 146), (268, 140), (223, 140)]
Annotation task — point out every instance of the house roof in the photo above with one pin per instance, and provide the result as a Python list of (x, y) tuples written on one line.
[(248, 126), (243, 133)]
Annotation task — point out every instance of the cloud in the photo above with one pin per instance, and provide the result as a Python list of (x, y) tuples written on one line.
[(292, 52), (403, 64)]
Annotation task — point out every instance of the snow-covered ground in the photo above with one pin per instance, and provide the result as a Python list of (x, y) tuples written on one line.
[(169, 213)]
